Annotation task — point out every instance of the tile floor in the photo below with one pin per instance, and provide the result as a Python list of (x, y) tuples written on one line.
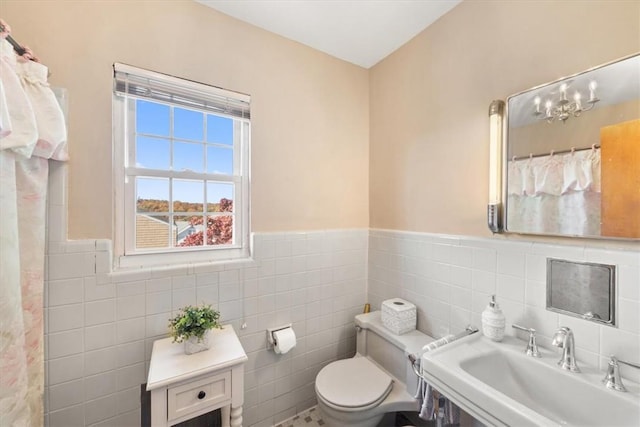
[(312, 417), (309, 418)]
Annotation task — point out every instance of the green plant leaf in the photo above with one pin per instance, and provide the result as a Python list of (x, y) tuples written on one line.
[(193, 322)]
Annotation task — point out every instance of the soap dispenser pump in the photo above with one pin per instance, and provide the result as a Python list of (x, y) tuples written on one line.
[(493, 321)]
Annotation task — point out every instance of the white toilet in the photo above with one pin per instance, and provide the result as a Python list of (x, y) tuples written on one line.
[(358, 392)]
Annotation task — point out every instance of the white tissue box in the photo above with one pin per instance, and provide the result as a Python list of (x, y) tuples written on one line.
[(398, 315)]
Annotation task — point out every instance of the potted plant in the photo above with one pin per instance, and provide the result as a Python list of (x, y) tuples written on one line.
[(192, 325)]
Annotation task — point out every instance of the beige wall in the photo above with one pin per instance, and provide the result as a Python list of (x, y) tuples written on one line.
[(401, 146), (310, 128), (430, 99)]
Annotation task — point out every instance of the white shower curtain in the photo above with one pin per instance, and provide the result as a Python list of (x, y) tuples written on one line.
[(555, 194), (32, 131)]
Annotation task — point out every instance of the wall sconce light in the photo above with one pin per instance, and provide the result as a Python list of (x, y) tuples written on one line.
[(494, 209)]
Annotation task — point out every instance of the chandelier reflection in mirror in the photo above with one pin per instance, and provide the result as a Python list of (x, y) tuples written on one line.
[(563, 109)]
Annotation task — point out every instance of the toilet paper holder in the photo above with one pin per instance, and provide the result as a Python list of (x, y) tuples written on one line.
[(270, 338)]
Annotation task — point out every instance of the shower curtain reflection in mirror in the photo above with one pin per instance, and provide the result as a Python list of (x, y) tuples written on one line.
[(555, 194)]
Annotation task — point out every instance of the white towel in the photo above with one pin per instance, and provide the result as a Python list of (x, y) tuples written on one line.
[(424, 395), (451, 413)]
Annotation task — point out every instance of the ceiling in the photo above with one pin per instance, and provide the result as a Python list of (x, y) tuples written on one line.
[(362, 32)]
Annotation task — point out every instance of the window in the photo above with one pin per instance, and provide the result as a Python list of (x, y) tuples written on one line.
[(181, 166)]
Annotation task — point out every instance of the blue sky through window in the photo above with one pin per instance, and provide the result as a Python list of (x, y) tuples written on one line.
[(154, 119), (219, 129), (188, 124)]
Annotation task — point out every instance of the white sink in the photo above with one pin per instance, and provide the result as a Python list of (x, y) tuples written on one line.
[(499, 385)]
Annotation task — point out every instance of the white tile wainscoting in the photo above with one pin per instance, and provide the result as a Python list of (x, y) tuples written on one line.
[(451, 278), (100, 325)]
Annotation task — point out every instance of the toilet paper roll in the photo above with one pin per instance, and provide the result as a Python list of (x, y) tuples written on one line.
[(285, 340)]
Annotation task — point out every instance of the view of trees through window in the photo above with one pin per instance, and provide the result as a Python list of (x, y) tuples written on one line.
[(189, 230), (184, 153), (196, 150)]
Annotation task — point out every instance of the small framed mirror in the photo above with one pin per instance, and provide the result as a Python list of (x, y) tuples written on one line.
[(572, 155)]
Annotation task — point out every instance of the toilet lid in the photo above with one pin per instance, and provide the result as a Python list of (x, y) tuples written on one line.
[(353, 383)]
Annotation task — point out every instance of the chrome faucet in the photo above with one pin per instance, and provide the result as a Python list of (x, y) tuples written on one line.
[(563, 338), (612, 380)]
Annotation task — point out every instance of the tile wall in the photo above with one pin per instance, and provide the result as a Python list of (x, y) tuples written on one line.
[(451, 278), (100, 325)]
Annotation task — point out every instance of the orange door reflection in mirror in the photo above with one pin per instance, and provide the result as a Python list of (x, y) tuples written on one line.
[(620, 151)]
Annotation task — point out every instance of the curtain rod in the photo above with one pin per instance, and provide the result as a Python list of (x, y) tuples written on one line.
[(553, 152), (16, 46)]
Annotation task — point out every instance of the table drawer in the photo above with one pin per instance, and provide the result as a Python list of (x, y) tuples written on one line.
[(197, 395)]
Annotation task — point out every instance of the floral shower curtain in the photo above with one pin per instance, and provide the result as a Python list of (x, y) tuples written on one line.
[(32, 131), (555, 194)]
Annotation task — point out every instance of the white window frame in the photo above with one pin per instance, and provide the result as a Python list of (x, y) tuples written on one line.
[(125, 170)]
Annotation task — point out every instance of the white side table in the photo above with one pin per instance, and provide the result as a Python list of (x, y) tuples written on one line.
[(185, 386)]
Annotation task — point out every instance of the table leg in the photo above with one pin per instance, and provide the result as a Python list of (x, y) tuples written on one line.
[(159, 407), (225, 415), (236, 416)]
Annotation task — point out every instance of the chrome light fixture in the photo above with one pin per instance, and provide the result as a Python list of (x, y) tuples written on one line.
[(494, 210), (563, 108)]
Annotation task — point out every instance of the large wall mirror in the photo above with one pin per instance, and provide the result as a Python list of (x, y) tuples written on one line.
[(572, 153)]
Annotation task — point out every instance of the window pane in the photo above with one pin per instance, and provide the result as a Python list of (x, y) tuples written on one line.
[(152, 153), (152, 231), (189, 230), (188, 124), (152, 118), (219, 197), (183, 171), (187, 156), (220, 230), (188, 196), (219, 129), (219, 160), (152, 194)]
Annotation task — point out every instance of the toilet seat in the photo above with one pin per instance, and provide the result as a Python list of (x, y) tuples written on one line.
[(353, 384)]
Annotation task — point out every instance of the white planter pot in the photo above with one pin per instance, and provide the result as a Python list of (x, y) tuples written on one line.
[(192, 345)]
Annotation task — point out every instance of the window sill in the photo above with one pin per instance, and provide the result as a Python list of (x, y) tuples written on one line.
[(183, 262)]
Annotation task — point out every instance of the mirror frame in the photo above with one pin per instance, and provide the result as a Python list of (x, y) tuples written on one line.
[(505, 157)]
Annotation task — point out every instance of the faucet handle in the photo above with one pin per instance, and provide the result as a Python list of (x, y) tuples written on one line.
[(532, 347), (612, 379)]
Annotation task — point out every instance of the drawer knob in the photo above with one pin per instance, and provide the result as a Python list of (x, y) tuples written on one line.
[(201, 395)]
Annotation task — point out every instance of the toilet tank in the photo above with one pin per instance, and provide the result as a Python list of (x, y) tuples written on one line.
[(387, 349)]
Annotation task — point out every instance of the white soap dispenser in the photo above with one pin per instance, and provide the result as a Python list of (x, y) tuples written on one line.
[(493, 321)]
